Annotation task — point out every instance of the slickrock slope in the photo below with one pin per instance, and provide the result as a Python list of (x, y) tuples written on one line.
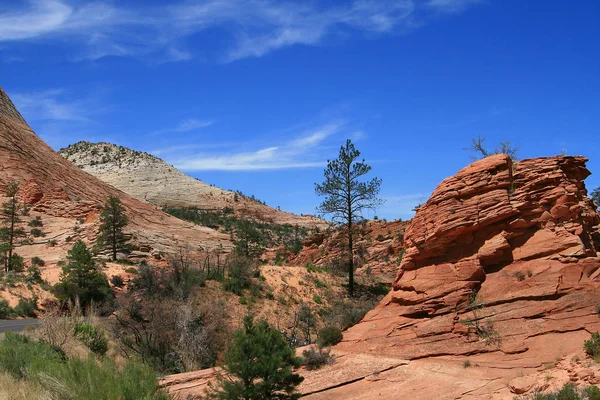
[(150, 179), (494, 297), (378, 248), (55, 188)]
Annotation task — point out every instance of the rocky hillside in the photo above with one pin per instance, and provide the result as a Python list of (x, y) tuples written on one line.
[(495, 295), (150, 179), (378, 248), (69, 200)]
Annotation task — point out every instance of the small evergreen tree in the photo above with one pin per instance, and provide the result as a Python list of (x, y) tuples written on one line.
[(9, 212), (346, 196), (112, 222), (249, 241), (81, 279), (259, 363)]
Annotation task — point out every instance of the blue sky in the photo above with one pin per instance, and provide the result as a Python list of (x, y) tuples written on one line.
[(256, 95)]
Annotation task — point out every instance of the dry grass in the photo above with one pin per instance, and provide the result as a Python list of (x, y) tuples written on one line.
[(12, 389)]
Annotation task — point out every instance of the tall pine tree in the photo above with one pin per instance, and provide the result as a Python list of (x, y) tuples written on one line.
[(112, 222), (9, 231), (346, 196)]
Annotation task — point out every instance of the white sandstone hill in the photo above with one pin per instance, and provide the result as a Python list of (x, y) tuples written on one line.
[(150, 179)]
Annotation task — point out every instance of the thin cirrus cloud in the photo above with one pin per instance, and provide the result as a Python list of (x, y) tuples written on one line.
[(187, 125), (95, 29), (51, 105), (301, 152)]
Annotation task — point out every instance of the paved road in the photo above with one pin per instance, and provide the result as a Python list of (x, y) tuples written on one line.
[(16, 325)]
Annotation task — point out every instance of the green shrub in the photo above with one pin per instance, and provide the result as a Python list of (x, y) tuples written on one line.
[(36, 232), (91, 337), (33, 275), (598, 309), (131, 270), (36, 222), (520, 276), (329, 336), (26, 307), (592, 392), (239, 276), (569, 392), (6, 310), (466, 364), (16, 263), (270, 296), (36, 261), (52, 242), (117, 281), (317, 299), (316, 358), (592, 346)]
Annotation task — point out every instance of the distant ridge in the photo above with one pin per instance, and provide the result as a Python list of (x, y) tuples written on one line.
[(152, 180)]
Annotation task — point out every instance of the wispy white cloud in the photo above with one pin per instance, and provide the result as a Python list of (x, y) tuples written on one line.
[(192, 124), (451, 6), (51, 105), (187, 125), (257, 27), (300, 152)]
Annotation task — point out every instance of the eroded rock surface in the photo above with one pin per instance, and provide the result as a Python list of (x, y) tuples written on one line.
[(52, 186)]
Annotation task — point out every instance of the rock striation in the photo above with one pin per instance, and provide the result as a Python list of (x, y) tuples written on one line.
[(52, 186), (500, 266)]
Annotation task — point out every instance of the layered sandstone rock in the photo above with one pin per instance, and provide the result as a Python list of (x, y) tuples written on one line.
[(500, 266), (52, 186)]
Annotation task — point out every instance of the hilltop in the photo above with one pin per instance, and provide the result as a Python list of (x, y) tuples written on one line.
[(150, 179)]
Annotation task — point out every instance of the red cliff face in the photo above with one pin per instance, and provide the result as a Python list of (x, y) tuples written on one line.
[(501, 261)]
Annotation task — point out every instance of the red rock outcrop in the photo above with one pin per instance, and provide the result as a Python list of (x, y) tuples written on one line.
[(500, 265)]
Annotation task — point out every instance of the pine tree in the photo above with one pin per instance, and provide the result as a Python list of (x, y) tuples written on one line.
[(346, 197), (81, 279), (10, 232), (112, 222), (249, 241), (259, 362)]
